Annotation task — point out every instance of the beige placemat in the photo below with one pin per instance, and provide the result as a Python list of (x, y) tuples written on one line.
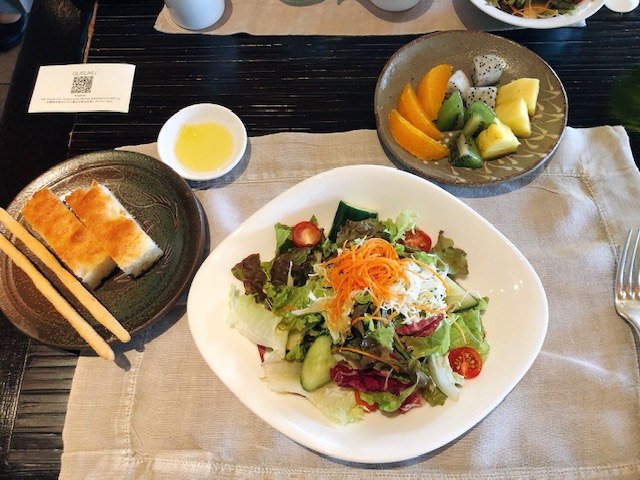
[(340, 17), (160, 412)]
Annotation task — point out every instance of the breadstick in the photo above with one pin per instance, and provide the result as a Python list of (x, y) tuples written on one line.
[(85, 330), (99, 312)]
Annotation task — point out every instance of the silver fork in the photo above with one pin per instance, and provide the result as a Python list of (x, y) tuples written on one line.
[(627, 288)]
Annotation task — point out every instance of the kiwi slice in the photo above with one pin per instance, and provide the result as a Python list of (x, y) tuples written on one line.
[(451, 114), (463, 152), (478, 116)]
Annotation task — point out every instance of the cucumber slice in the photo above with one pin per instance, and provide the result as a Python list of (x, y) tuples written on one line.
[(451, 114), (463, 152), (346, 212), (459, 297), (317, 364)]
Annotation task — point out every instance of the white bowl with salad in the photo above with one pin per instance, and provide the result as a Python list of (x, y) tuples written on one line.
[(540, 14), (227, 325)]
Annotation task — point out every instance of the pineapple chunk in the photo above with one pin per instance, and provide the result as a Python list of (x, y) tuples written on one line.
[(496, 140), (525, 88), (515, 115)]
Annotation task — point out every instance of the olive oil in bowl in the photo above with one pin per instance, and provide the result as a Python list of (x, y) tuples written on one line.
[(204, 146), (202, 141)]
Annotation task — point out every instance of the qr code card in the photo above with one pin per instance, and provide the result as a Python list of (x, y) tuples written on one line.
[(96, 87)]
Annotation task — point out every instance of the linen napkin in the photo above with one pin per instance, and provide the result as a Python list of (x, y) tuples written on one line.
[(160, 412), (340, 17)]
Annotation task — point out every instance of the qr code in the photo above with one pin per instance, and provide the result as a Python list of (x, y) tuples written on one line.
[(82, 84)]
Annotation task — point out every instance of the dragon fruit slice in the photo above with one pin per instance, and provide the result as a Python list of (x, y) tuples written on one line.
[(481, 94), (486, 69), (458, 82)]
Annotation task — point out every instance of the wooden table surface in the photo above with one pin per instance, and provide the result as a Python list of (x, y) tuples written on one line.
[(274, 83)]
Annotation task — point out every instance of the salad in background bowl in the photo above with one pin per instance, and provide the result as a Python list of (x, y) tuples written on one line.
[(540, 14)]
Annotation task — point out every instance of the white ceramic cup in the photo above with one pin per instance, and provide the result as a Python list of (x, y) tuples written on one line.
[(195, 14)]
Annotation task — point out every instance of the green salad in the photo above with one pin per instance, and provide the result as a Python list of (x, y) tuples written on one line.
[(368, 317), (536, 8)]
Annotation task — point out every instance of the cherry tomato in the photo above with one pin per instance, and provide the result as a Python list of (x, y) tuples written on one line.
[(417, 239), (306, 234), (465, 361)]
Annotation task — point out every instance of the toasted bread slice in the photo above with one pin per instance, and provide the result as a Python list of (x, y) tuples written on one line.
[(75, 245), (132, 249)]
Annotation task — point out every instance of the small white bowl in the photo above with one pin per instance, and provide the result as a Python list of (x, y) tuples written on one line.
[(193, 115), (395, 5), (584, 10)]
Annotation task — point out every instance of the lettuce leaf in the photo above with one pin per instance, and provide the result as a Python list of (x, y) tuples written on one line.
[(454, 257), (355, 229), (283, 376), (432, 394), (249, 272), (336, 403), (383, 334), (439, 342), (283, 237), (300, 307), (256, 322), (387, 401), (447, 381), (470, 322), (447, 336)]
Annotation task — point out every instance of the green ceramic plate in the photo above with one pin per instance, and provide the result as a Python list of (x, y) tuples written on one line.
[(167, 210), (458, 48)]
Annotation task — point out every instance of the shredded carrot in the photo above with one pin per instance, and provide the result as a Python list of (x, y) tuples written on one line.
[(366, 354), (374, 266), (534, 11)]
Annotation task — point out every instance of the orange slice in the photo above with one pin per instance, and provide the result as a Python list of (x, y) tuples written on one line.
[(432, 88), (413, 140), (410, 108)]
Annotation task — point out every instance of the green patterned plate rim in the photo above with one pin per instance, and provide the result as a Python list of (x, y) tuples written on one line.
[(166, 208)]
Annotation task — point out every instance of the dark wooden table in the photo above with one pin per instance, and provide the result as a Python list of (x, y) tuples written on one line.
[(275, 83)]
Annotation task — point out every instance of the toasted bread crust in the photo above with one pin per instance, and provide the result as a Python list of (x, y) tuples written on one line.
[(68, 237), (131, 248)]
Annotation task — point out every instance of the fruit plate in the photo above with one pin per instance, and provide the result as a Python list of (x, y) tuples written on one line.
[(496, 269), (583, 11), (166, 208), (458, 48)]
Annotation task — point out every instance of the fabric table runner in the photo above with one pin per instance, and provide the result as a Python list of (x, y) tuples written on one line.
[(160, 412), (340, 17)]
